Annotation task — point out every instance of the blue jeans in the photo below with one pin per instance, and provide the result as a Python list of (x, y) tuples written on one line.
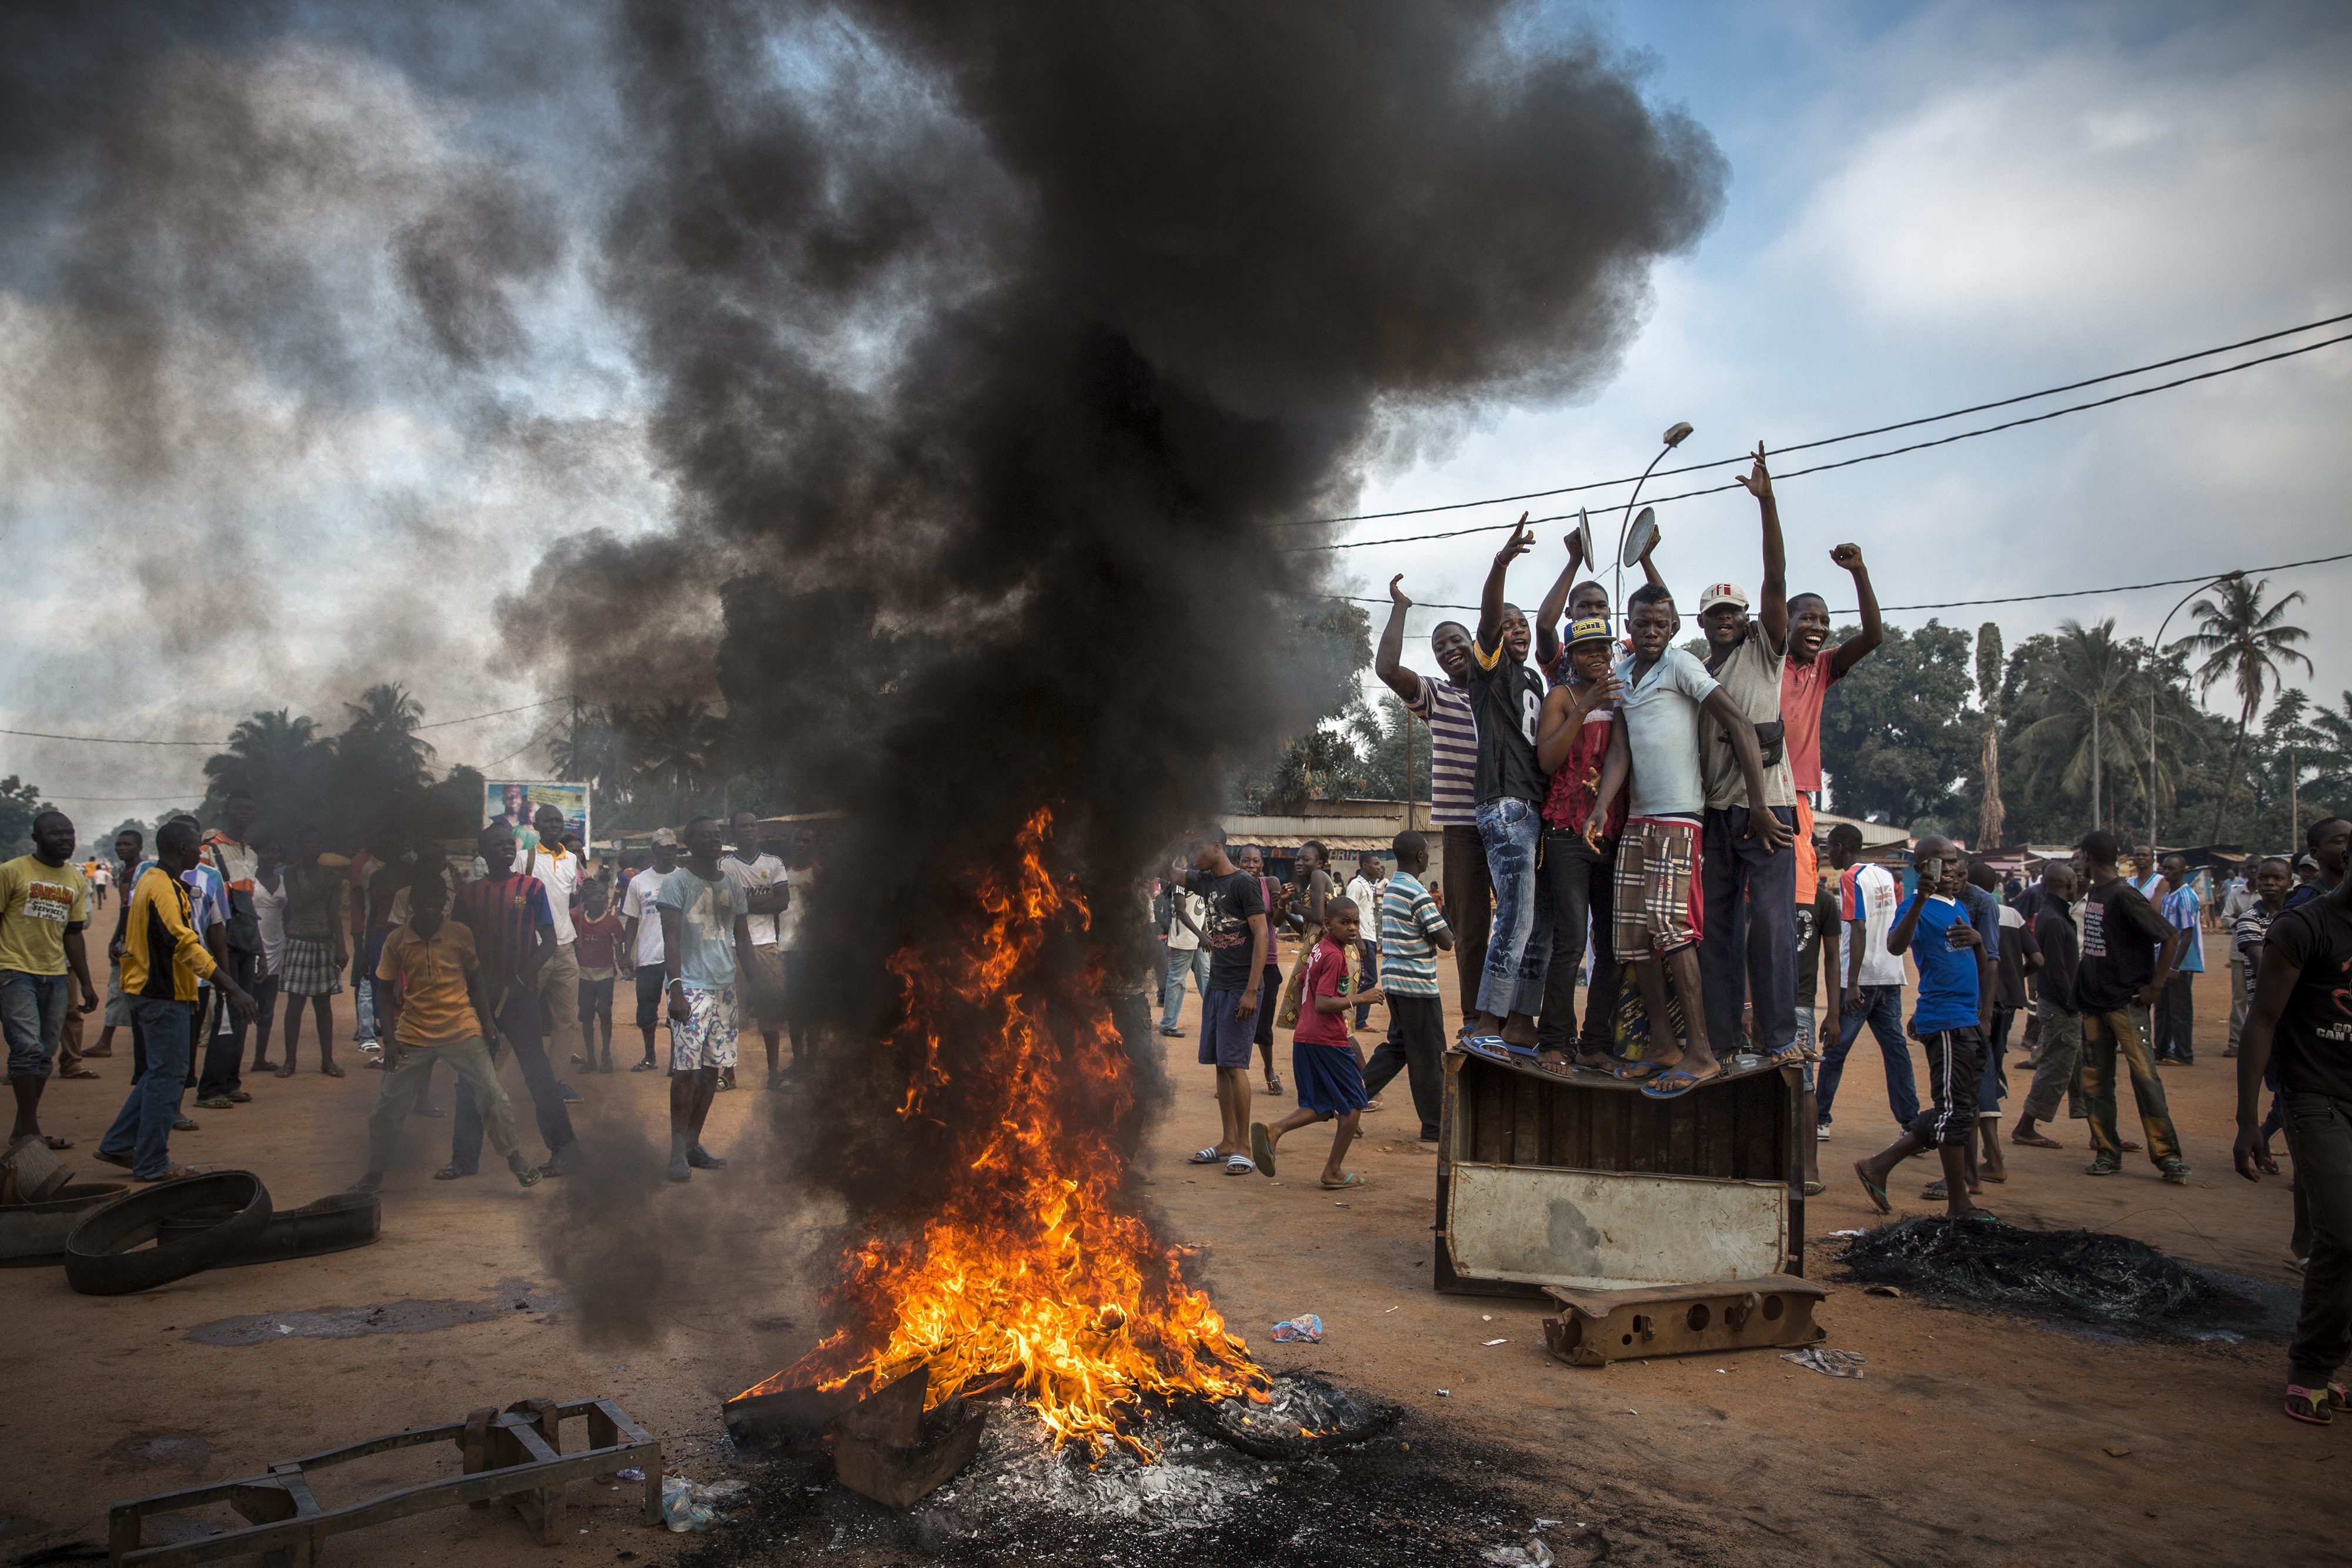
[(1171, 991), (1519, 949), (1748, 947), (1881, 1007), (33, 1016), (143, 1128)]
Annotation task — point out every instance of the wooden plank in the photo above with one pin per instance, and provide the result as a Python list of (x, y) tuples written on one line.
[(1527, 1121), (1490, 1135), (1681, 1118)]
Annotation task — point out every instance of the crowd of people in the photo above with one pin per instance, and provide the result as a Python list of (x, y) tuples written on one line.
[(1601, 790), (454, 961)]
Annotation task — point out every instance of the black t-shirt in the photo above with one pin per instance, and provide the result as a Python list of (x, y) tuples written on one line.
[(1233, 897), (2312, 1047), (1506, 699), (2018, 943), (1812, 919), (2121, 934), (2054, 981)]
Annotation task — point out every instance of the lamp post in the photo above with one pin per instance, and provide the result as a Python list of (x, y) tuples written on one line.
[(1677, 434), (2157, 651)]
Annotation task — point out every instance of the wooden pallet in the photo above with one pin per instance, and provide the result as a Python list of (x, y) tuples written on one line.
[(515, 1454)]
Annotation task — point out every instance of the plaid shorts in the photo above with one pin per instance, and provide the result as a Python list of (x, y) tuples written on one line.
[(707, 1037), (1657, 907), (308, 968)]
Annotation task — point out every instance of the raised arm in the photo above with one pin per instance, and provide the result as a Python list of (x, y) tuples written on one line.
[(1388, 658), (1762, 823), (1490, 597), (1861, 645), (1555, 604), (1773, 602)]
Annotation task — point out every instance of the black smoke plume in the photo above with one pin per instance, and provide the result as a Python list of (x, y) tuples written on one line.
[(991, 345)]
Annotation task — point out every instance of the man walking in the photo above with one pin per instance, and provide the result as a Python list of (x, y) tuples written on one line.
[(2236, 900), (44, 907), (1186, 957), (1445, 707), (2056, 1066), (514, 938), (759, 871), (557, 869), (707, 949), (220, 1084), (163, 959), (130, 849), (2128, 953), (641, 940), (2176, 1010), (1412, 932), (1867, 897), (1748, 873)]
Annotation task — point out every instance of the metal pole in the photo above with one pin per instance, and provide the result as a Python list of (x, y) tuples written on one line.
[(2155, 650), (1677, 434)]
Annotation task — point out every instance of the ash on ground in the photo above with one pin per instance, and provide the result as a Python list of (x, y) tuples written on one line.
[(2085, 1277), (1394, 1497)]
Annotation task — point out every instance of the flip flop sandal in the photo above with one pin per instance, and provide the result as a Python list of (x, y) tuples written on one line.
[(1936, 1192), (1789, 1054), (2340, 1397), (1262, 1145), (2102, 1167), (645, 1067), (1489, 1046), (1633, 1072), (2036, 1142), (1240, 1164), (2309, 1406), (1877, 1193), (1206, 1157), (331, 1069), (2270, 1165), (1981, 1216), (1665, 1087), (1813, 1189), (2000, 1177), (78, 1073), (1273, 1083), (2175, 1172), (1348, 1180)]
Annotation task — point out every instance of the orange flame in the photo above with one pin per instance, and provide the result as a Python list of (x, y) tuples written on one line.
[(1037, 1276)]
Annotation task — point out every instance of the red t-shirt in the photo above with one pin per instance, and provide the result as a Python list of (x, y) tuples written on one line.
[(593, 941), (1803, 689), (1327, 976), (1569, 800)]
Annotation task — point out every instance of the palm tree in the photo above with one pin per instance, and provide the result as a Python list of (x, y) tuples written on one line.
[(277, 759), (2084, 697), (2242, 642), (675, 742), (382, 728), (2330, 739), (592, 747), (1993, 818)]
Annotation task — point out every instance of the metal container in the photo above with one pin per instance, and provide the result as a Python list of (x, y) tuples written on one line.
[(38, 1230), (30, 1172)]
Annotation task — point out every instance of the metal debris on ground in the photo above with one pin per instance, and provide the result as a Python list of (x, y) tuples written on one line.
[(2089, 1276), (1302, 1417), (1831, 1362), (1534, 1555)]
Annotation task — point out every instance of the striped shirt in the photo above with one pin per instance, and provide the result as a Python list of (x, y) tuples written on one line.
[(505, 914), (1409, 920), (1452, 753)]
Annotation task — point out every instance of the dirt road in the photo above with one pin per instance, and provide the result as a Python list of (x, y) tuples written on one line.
[(1974, 1437)]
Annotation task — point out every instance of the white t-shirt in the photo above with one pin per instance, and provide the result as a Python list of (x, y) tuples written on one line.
[(1869, 893), (1366, 896), (788, 925), (269, 912), (1179, 938), (637, 904), (757, 876), (561, 871)]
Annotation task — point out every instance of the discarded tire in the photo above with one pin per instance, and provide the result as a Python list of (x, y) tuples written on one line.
[(100, 1260), (334, 1224)]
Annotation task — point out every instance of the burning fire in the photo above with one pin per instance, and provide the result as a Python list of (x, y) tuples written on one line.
[(1035, 1277)]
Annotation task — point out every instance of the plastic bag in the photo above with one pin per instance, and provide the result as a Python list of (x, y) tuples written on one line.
[(1306, 1327), (685, 1512)]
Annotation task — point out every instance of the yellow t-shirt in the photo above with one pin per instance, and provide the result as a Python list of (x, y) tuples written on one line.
[(434, 1006), (39, 904)]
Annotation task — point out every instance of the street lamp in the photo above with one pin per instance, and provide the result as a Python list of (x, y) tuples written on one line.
[(2157, 651), (1677, 434)]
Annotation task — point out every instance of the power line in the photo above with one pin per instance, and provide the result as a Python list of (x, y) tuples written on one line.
[(1970, 603), (1867, 456), (1827, 440), (122, 740)]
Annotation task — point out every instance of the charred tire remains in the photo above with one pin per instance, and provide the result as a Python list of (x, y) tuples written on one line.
[(100, 1260)]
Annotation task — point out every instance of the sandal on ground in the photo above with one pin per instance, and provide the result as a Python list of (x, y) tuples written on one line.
[(1206, 1157), (1346, 1181), (2175, 1171), (645, 1067), (170, 1173), (77, 1072), (1936, 1192), (287, 1071), (330, 1069), (2269, 1164), (104, 1158), (2000, 1177), (239, 1097), (2102, 1167), (2127, 1145), (217, 1102), (450, 1173), (185, 1124), (1371, 1104), (1632, 1072), (1789, 1055), (1273, 1083), (2309, 1406), (1240, 1164), (1877, 1193), (1677, 1082), (1262, 1146), (2036, 1141), (1813, 1189), (422, 1108)]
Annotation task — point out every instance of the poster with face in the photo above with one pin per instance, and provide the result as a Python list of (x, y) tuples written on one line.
[(515, 805)]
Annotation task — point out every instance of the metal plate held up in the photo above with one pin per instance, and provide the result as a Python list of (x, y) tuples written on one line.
[(1612, 1230)]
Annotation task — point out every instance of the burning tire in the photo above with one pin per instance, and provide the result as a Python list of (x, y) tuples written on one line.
[(1305, 1416), (100, 1260)]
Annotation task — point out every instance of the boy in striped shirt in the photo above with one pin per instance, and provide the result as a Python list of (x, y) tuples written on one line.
[(1412, 933)]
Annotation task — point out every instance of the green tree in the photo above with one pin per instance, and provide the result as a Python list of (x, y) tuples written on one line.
[(380, 738), (676, 742), (1897, 739), (1385, 736), (1992, 818), (592, 747), (281, 761), (2078, 715), (2244, 642), (2330, 732), (19, 803)]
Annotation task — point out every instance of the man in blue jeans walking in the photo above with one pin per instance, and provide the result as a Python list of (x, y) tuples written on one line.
[(163, 959), (1507, 700), (1867, 897)]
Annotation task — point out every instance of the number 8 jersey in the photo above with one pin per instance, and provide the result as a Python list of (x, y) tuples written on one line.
[(1506, 699)]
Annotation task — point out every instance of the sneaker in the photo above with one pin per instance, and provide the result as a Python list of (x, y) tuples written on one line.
[(645, 1067), (1822, 1132), (568, 1095), (217, 1102), (678, 1168)]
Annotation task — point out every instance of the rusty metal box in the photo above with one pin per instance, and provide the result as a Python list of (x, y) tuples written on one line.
[(1576, 1179)]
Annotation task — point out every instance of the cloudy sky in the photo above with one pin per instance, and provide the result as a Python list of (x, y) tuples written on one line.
[(1930, 206)]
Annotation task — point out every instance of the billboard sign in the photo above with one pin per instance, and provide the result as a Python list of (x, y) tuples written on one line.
[(515, 804)]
